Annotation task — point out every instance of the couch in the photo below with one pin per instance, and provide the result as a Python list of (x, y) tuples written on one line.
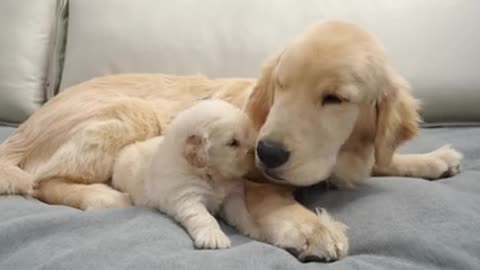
[(395, 223)]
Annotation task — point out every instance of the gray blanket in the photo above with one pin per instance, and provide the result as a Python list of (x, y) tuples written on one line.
[(395, 223)]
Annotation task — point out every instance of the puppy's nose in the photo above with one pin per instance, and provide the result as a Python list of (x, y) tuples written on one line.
[(272, 154)]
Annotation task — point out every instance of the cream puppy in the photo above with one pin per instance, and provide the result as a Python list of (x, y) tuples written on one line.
[(190, 171)]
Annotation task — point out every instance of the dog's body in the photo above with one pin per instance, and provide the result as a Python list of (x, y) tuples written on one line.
[(329, 106), (193, 169)]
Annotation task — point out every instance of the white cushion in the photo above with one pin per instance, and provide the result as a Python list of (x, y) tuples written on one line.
[(433, 43), (26, 28)]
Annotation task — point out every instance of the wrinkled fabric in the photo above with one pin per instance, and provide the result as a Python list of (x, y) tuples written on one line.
[(394, 223)]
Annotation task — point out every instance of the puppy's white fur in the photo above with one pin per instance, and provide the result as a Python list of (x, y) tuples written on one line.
[(193, 169)]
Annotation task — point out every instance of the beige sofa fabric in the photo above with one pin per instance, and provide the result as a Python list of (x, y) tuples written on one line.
[(26, 29), (433, 43)]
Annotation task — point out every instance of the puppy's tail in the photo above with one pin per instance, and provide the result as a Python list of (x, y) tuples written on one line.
[(14, 180)]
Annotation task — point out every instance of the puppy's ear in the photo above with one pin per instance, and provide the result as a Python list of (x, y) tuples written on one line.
[(397, 117), (260, 100), (195, 151)]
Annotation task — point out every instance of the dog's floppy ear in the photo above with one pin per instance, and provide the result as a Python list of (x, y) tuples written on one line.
[(195, 151), (397, 117), (258, 103)]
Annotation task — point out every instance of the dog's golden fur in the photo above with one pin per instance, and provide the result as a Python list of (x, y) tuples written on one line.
[(330, 97)]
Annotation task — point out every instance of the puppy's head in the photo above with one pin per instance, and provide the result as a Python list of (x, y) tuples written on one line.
[(215, 136)]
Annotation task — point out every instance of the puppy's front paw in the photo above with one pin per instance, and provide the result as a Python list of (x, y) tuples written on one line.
[(444, 162), (211, 238), (324, 240)]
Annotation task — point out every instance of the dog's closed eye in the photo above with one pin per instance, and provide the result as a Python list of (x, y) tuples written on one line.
[(331, 99), (233, 143)]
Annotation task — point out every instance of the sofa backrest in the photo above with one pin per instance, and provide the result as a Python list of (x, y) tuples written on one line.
[(434, 44), (27, 46)]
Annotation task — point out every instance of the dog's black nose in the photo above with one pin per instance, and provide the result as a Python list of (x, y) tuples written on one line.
[(272, 154)]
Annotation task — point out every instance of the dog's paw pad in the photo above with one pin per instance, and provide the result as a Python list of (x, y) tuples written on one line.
[(452, 171), (325, 242), (445, 163)]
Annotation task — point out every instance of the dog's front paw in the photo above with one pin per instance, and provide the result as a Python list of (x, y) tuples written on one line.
[(211, 238), (322, 240), (444, 162)]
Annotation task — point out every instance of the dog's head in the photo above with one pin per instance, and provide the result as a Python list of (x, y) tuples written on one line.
[(217, 137), (329, 93)]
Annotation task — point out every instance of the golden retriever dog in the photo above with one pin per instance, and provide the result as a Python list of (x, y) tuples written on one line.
[(193, 169), (328, 106)]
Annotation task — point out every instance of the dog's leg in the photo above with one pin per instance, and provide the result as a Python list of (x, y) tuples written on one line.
[(441, 163), (200, 224), (14, 180), (83, 196), (285, 223), (234, 211), (76, 173)]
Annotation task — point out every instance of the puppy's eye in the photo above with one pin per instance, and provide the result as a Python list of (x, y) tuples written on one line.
[(331, 99), (233, 143)]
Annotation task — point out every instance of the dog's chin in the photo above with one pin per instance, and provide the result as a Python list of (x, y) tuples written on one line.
[(280, 179), (272, 177), (275, 178)]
